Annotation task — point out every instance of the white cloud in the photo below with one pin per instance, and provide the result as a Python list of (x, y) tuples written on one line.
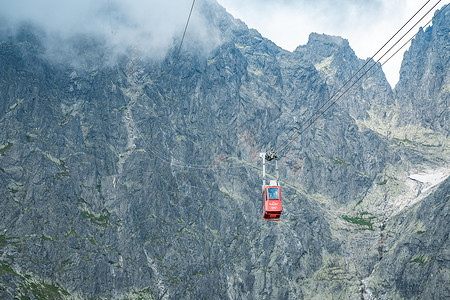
[(150, 27), (367, 24)]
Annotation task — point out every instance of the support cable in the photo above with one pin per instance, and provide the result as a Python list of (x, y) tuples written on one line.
[(177, 57), (292, 134), (299, 132), (317, 114)]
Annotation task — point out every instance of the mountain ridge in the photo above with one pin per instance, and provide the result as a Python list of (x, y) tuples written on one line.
[(99, 201)]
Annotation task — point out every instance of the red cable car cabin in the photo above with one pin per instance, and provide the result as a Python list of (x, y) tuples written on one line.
[(272, 202)]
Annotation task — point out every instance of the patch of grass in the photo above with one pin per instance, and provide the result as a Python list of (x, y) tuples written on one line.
[(65, 121), (81, 200), (13, 191), (99, 186), (358, 221), (340, 162), (382, 182), (431, 146), (61, 175), (196, 273), (6, 148), (30, 286), (64, 173), (5, 268), (46, 238), (405, 140), (55, 289), (47, 291), (70, 232), (421, 259), (3, 241), (101, 220), (144, 293)]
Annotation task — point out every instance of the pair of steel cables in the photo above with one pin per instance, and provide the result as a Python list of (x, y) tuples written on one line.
[(349, 84)]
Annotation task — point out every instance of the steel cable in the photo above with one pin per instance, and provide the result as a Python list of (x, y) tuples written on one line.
[(292, 137)]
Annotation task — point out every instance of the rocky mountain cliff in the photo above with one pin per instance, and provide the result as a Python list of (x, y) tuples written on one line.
[(127, 180), (425, 65)]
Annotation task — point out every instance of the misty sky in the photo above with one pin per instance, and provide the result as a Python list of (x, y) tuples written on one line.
[(152, 27), (148, 27), (367, 24)]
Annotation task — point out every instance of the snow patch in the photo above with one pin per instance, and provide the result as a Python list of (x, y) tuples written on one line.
[(430, 179), (418, 186)]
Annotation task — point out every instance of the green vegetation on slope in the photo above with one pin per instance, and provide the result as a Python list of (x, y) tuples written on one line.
[(6, 148)]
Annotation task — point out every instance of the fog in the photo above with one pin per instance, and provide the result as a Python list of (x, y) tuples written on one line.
[(148, 28)]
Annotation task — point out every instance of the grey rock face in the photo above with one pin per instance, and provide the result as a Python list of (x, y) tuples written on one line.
[(416, 266), (425, 65), (337, 63), (121, 181)]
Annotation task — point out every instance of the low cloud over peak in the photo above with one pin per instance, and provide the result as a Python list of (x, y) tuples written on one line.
[(149, 27)]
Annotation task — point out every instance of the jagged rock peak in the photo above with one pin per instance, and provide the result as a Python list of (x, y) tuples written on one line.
[(425, 65), (316, 38), (324, 41)]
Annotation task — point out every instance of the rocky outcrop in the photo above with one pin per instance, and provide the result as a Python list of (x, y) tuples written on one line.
[(416, 261), (423, 91)]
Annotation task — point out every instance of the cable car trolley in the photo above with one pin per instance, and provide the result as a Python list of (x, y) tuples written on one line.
[(271, 194)]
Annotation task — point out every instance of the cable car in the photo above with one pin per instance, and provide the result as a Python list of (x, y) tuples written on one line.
[(271, 194), (272, 202)]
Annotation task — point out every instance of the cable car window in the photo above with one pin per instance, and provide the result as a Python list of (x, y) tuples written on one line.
[(273, 193)]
